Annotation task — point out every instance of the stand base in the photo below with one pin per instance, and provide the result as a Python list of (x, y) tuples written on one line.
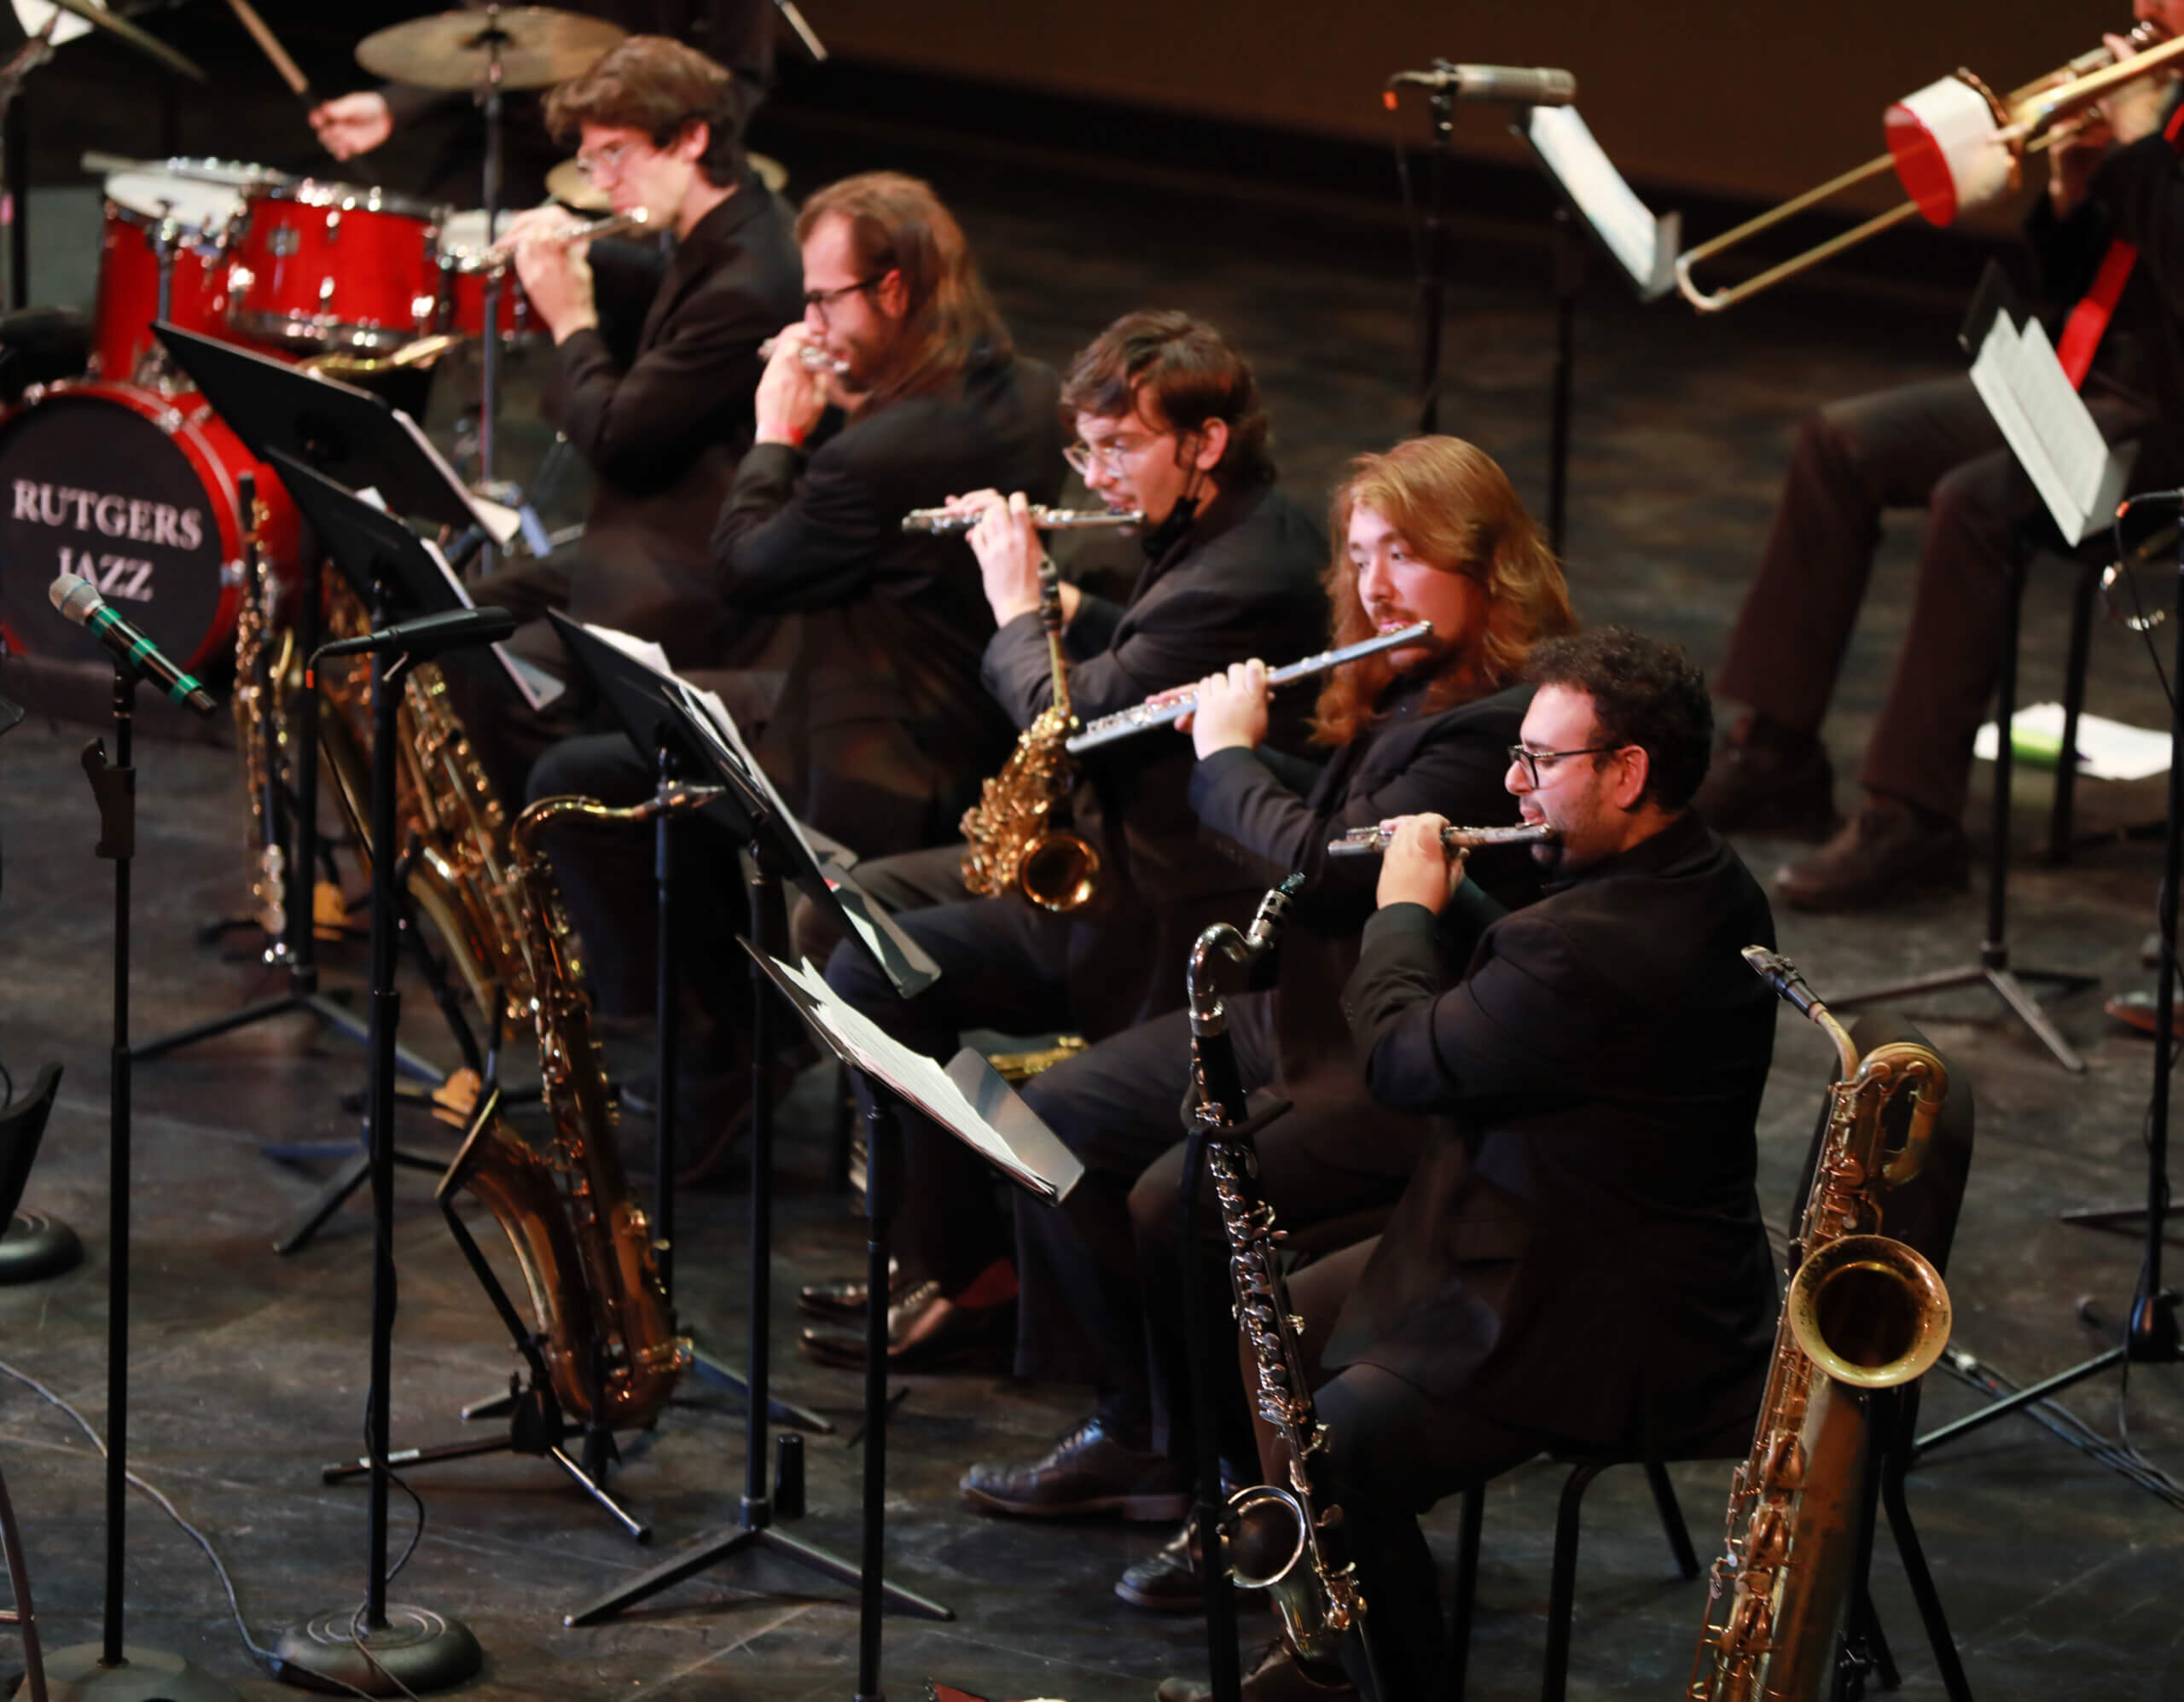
[(417, 1649), (2006, 985), (35, 1246), (709, 1551), (144, 1675)]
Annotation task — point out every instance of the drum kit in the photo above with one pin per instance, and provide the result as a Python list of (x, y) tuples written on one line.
[(125, 476)]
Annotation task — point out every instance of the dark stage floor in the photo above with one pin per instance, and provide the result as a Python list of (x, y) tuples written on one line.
[(2061, 1578)]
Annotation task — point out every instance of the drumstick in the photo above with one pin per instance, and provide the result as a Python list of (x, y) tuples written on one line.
[(291, 72)]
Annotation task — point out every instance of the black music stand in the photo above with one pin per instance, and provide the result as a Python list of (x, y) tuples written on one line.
[(675, 717), (357, 439), (377, 1649)]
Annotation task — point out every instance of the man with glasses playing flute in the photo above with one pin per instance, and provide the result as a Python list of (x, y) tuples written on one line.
[(1170, 426)]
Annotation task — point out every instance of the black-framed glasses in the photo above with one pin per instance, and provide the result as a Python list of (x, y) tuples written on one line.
[(823, 300), (1531, 759)]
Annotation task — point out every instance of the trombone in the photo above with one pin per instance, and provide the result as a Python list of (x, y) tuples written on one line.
[(1955, 145)]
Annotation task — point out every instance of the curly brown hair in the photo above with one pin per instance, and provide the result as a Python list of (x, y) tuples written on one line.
[(657, 86), (1457, 509)]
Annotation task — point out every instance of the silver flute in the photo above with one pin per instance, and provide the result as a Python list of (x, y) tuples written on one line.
[(1372, 841), (1144, 716), (945, 523), (814, 359)]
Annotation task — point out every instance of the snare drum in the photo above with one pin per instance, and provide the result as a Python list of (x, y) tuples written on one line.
[(135, 491), (331, 266), (465, 258), (149, 213)]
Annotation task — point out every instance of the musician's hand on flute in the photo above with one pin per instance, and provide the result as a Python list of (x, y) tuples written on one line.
[(1009, 549), (791, 396), (1416, 869), (1229, 710), (556, 273), (351, 124)]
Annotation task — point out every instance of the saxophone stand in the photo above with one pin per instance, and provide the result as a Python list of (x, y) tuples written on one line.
[(2150, 1329), (109, 1669), (377, 1647)]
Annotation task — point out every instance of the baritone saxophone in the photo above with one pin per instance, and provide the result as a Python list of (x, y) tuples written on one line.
[(1863, 1312)]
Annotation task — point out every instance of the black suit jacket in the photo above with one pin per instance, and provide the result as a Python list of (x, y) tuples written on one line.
[(1243, 581), (663, 432), (883, 679), (1451, 761), (1582, 1253)]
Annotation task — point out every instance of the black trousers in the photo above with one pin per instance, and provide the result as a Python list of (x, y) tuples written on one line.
[(1005, 964), (1932, 444)]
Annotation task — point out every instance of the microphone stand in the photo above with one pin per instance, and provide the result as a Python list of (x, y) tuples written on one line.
[(371, 1648), (1433, 276), (109, 1669)]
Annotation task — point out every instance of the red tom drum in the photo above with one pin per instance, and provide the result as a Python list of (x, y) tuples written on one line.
[(332, 267), (148, 213)]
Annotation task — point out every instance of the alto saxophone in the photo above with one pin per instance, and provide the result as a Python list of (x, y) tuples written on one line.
[(585, 1245), (1286, 1540), (1010, 841), (1862, 1312)]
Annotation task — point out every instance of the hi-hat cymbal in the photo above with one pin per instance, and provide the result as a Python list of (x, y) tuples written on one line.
[(568, 185), (145, 43), (538, 48)]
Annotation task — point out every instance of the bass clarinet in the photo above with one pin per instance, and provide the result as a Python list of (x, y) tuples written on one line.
[(1285, 1539), (1153, 712)]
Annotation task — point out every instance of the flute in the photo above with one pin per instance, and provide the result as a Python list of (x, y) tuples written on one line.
[(945, 523), (1372, 841), (814, 359), (1143, 717)]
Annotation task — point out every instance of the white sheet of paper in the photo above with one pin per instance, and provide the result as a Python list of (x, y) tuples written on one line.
[(640, 650), (33, 15), (2107, 750), (2049, 427), (535, 685), (1565, 142)]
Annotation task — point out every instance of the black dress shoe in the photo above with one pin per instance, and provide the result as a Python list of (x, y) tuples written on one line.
[(1889, 854), (1168, 1582), (925, 1332), (1767, 780), (1088, 1471), (846, 1299)]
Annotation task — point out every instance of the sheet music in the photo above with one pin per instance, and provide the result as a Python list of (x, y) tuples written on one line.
[(34, 14), (1625, 223), (533, 684), (2049, 427), (921, 1081), (500, 523)]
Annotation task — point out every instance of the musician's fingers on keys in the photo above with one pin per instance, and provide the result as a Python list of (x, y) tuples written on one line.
[(1009, 551), (791, 396), (1229, 709), (1416, 869)]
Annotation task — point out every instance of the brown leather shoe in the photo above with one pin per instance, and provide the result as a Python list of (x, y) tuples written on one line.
[(1278, 1678), (925, 1332), (1889, 854), (1088, 1471), (846, 1299), (1767, 780)]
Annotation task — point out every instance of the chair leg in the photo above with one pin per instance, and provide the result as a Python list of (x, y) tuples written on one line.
[(1914, 1556), (1562, 1593), (1672, 1525), (1467, 1592), (19, 1584), (2061, 826)]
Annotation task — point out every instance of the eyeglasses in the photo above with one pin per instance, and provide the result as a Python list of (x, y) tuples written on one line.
[(1531, 759), (822, 301), (1108, 456), (608, 158)]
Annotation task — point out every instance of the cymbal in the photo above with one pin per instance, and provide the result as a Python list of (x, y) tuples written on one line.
[(539, 47), (568, 185), (137, 37)]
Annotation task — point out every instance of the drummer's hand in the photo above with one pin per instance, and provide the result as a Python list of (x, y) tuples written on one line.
[(1415, 870), (791, 396), (351, 124), (1230, 711), (557, 277), (2133, 111)]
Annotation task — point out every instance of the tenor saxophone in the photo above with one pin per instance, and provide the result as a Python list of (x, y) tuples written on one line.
[(583, 1243), (1286, 1539), (1010, 841), (1863, 1312)]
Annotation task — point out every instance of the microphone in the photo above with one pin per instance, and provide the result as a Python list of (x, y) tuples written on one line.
[(428, 634), (78, 599), (1523, 86)]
